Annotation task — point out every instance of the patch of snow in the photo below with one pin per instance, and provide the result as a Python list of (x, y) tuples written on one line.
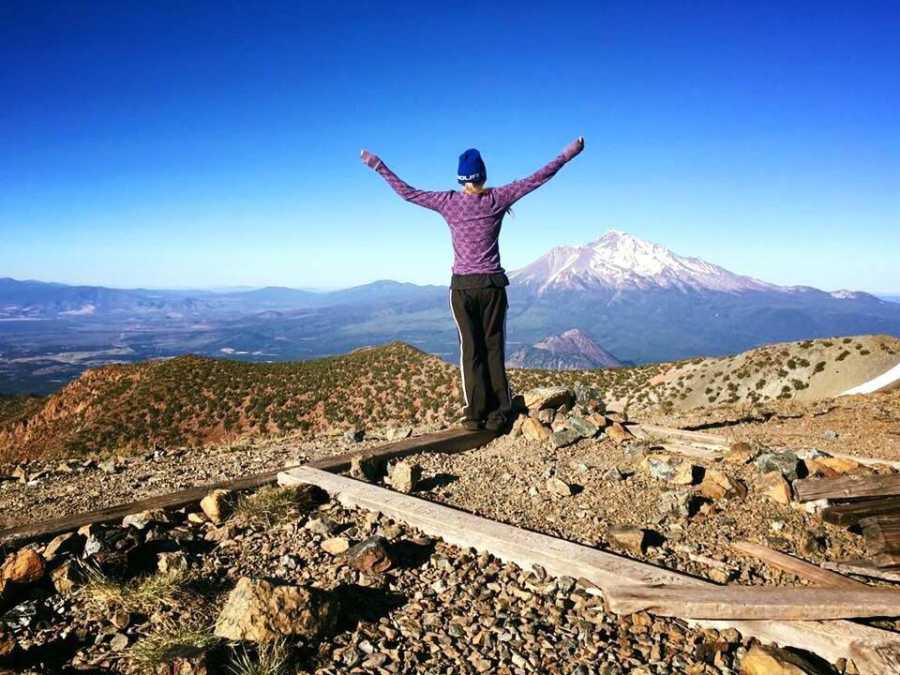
[(886, 380)]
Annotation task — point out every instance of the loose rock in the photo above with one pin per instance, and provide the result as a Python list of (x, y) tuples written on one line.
[(24, 566), (371, 556), (548, 397), (335, 545), (775, 487), (618, 433), (632, 539), (558, 487), (405, 477), (260, 612), (217, 505)]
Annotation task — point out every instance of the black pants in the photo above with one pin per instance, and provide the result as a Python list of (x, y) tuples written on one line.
[(480, 316)]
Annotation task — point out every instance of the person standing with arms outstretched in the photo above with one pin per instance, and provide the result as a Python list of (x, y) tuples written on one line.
[(478, 286)]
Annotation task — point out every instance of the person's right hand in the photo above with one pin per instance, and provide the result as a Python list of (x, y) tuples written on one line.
[(369, 159), (574, 147)]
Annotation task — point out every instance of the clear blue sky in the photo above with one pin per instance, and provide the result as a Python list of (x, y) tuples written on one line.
[(176, 144)]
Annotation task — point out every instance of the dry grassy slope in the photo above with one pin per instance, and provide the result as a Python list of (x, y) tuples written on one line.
[(198, 401), (193, 401), (802, 371)]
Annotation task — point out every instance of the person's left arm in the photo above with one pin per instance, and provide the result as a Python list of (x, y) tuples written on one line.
[(512, 192), (430, 200)]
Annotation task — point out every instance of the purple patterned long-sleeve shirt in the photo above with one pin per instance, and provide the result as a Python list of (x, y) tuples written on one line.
[(474, 219)]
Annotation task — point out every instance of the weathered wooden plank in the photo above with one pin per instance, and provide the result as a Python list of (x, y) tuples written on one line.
[(850, 514), (753, 602), (882, 535), (172, 500), (453, 440), (872, 650), (801, 568), (692, 437), (847, 487), (868, 461), (862, 568)]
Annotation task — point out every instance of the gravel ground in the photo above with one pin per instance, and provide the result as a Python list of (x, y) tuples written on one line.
[(439, 610), (867, 426), (57, 488), (507, 481)]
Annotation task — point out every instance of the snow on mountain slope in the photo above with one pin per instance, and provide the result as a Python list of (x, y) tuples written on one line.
[(620, 261)]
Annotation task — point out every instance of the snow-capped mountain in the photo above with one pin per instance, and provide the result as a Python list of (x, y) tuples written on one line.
[(619, 261)]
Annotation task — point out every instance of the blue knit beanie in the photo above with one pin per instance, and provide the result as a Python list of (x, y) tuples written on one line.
[(471, 167)]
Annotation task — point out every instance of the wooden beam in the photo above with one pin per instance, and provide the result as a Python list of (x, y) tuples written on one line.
[(173, 500), (690, 437), (847, 487), (862, 568), (801, 568), (453, 440), (850, 514), (882, 535), (871, 649), (754, 602)]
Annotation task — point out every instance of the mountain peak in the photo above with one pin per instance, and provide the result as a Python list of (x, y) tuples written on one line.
[(572, 350), (621, 261)]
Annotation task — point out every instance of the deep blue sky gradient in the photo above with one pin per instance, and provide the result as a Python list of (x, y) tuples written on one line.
[(174, 144)]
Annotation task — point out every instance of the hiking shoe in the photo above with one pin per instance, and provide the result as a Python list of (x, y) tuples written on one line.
[(496, 424), (473, 425)]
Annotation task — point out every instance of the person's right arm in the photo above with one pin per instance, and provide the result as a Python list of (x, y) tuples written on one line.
[(430, 200), (512, 192)]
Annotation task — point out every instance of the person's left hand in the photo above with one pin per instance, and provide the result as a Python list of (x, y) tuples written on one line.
[(574, 147), (369, 159)]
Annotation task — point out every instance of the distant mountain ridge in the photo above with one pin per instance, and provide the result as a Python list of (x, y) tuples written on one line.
[(639, 300), (571, 350)]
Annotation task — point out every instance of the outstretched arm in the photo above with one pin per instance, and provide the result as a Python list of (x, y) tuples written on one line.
[(430, 200), (512, 192)]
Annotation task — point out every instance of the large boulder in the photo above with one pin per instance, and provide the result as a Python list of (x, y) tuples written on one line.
[(258, 611), (548, 397)]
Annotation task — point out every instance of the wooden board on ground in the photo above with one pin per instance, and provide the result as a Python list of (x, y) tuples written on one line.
[(172, 500), (801, 568), (680, 435), (862, 568), (871, 649), (882, 535), (851, 513), (754, 602), (453, 440), (847, 487)]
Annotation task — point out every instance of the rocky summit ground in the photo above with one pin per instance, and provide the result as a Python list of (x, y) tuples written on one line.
[(282, 581)]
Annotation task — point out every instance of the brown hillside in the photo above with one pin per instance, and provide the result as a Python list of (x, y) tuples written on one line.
[(194, 401), (197, 401)]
